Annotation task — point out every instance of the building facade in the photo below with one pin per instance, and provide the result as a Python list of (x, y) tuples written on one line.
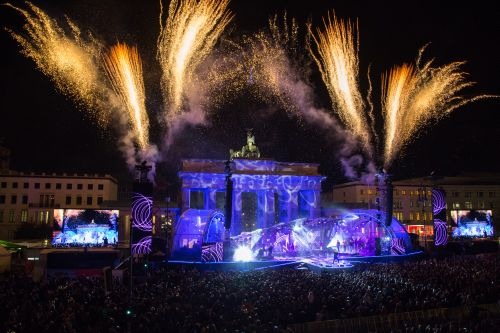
[(32, 198), (412, 200)]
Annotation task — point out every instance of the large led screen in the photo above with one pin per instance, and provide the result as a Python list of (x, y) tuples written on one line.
[(472, 223), (85, 227)]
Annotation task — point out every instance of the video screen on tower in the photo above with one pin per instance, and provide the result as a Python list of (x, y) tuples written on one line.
[(472, 223), (85, 227)]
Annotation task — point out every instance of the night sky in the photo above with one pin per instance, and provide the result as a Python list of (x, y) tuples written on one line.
[(47, 132)]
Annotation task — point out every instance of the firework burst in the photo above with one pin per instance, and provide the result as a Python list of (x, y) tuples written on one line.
[(186, 39), (124, 67), (413, 96), (338, 63), (69, 59)]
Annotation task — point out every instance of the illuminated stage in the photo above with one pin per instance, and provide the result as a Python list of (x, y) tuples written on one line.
[(275, 215), (325, 243)]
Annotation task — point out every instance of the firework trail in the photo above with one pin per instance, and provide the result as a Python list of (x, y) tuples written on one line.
[(124, 67), (186, 39), (70, 60), (338, 63), (413, 96)]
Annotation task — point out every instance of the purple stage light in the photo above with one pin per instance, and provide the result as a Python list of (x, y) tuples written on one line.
[(439, 215), (438, 201), (143, 246), (440, 235), (141, 212)]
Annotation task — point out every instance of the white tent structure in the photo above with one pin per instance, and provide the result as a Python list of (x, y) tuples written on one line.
[(4, 260)]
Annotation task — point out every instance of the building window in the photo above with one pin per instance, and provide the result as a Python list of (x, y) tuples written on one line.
[(417, 216), (456, 194), (24, 215), (78, 200), (68, 200), (13, 199), (403, 192), (58, 186), (480, 204), (43, 216), (361, 191), (492, 205), (468, 194), (69, 186), (89, 200), (2, 199), (3, 184), (12, 216), (491, 194), (26, 185), (411, 203), (90, 186), (99, 200), (47, 186), (79, 186), (411, 216), (468, 205), (479, 194), (456, 205), (37, 185), (25, 199), (14, 185), (100, 187), (1, 216)]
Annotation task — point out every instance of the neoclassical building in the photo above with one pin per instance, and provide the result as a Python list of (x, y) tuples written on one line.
[(265, 192)]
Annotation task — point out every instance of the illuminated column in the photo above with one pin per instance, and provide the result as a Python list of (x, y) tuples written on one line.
[(236, 215), (269, 213), (309, 204), (283, 198), (185, 198), (288, 205), (265, 208), (293, 206), (211, 199), (315, 208)]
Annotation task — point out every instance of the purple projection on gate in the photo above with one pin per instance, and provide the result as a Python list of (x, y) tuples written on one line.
[(141, 223), (265, 191), (439, 215)]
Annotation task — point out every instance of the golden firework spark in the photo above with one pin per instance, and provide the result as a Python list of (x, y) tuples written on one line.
[(124, 67), (414, 96), (189, 34), (68, 59), (337, 60), (261, 65)]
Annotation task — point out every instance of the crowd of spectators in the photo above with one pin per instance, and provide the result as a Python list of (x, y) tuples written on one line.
[(188, 300)]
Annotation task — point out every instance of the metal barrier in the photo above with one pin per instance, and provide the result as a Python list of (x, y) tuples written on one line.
[(393, 321)]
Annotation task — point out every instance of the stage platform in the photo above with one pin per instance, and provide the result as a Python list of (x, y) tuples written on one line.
[(316, 264)]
